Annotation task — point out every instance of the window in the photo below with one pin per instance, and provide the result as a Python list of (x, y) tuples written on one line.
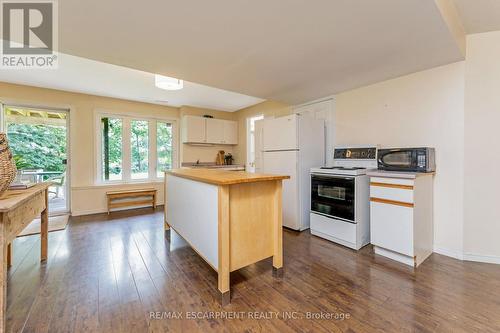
[(251, 141), (164, 148), (111, 148), (134, 149), (139, 140)]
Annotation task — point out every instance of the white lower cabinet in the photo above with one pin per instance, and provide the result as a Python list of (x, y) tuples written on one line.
[(392, 227), (401, 216)]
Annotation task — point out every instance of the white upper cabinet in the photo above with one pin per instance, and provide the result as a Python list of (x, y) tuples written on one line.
[(208, 130), (230, 132), (215, 131), (193, 129)]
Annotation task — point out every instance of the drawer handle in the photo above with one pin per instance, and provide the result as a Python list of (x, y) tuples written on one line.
[(405, 187), (392, 202)]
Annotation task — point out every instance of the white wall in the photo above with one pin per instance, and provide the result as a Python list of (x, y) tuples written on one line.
[(421, 109), (482, 152)]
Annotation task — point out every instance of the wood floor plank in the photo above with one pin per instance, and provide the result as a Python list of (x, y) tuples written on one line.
[(133, 316), (43, 305), (109, 273), (21, 248), (30, 274)]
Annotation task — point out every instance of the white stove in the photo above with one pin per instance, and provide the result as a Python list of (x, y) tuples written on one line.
[(340, 170), (340, 194)]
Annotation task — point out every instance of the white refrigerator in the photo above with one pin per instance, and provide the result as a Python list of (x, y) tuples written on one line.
[(292, 145)]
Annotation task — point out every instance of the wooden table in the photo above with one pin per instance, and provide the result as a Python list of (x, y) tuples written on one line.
[(232, 219), (18, 208)]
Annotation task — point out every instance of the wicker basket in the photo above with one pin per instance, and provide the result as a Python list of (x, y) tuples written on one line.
[(7, 165)]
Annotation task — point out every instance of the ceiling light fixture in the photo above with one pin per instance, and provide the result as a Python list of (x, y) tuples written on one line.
[(168, 83)]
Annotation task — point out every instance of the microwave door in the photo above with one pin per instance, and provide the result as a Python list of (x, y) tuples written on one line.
[(400, 159)]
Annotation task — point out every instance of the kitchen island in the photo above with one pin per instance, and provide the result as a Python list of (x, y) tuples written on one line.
[(230, 218)]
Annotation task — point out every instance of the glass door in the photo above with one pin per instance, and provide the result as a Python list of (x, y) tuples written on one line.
[(38, 139)]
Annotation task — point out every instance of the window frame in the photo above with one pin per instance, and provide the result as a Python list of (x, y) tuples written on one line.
[(127, 119)]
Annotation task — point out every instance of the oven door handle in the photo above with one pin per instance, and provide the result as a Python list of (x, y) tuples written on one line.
[(327, 176)]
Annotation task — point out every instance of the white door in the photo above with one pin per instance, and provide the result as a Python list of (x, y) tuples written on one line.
[(281, 133), (285, 163), (215, 130)]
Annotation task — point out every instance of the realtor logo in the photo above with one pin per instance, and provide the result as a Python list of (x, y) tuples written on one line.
[(29, 36)]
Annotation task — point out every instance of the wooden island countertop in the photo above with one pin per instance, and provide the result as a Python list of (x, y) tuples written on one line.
[(232, 219), (223, 177)]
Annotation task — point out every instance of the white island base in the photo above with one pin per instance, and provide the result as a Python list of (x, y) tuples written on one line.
[(231, 219)]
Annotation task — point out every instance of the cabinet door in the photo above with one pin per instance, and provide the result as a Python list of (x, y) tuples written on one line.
[(215, 131), (391, 227), (194, 129), (230, 132)]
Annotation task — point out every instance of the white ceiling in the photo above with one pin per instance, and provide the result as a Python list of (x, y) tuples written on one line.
[(291, 51), (97, 78), (479, 15)]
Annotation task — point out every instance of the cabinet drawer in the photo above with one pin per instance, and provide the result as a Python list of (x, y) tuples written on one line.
[(399, 193), (392, 227), (393, 181)]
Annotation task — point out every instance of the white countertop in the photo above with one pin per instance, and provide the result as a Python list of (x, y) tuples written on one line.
[(398, 174)]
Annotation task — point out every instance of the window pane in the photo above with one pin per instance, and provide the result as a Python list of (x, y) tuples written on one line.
[(164, 150), (111, 147), (139, 139)]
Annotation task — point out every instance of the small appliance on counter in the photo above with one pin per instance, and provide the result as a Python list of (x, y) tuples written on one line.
[(407, 159), (340, 194)]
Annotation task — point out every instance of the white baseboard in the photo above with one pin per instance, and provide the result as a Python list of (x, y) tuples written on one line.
[(394, 256), (104, 210), (449, 253), (482, 258), (489, 259)]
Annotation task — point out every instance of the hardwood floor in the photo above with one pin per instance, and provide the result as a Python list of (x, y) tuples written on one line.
[(107, 274)]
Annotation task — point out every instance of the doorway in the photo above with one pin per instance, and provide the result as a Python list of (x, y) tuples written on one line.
[(38, 139), (252, 146)]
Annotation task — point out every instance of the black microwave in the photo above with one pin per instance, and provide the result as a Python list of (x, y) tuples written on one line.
[(407, 159)]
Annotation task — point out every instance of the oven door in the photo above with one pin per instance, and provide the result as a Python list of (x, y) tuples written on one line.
[(333, 196)]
